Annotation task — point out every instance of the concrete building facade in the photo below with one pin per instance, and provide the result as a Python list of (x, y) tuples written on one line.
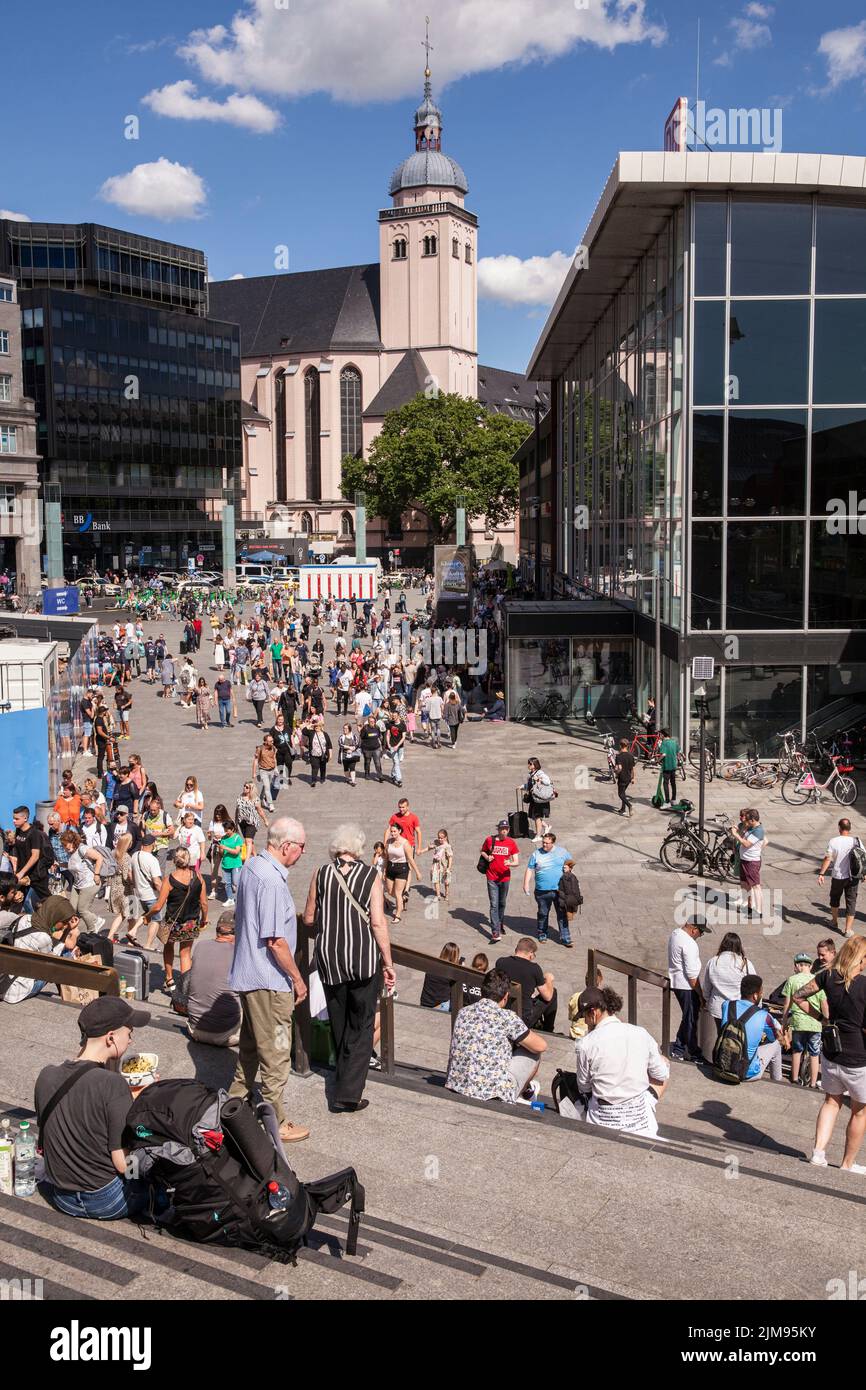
[(20, 512)]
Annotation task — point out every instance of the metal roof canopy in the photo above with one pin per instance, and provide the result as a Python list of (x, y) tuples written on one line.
[(638, 197)]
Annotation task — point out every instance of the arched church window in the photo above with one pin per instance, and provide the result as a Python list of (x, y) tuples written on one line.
[(430, 245), (468, 253), (313, 433), (347, 529), (280, 436), (455, 248), (400, 249), (306, 523), (351, 436)]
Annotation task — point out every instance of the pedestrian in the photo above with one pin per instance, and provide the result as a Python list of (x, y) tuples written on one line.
[(231, 860), (318, 745), (349, 752), (101, 735), (191, 798), (167, 676), (257, 694), (215, 834), (249, 814), (435, 711), (158, 823), (538, 793), (264, 773), (684, 973), (190, 836), (31, 858), (669, 752), (618, 1066), (203, 703), (763, 1033), (545, 867), (225, 698), (264, 973), (501, 854), (806, 1020), (398, 858), (85, 865), (281, 734), (453, 715), (395, 742), (723, 976), (844, 881), (441, 864), (371, 746), (345, 908), (183, 894), (624, 772), (752, 844), (843, 1053)]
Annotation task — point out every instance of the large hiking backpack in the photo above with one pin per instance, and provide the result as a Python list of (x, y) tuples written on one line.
[(217, 1157), (731, 1052), (857, 862)]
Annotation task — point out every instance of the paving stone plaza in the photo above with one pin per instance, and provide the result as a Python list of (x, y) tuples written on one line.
[(480, 1201)]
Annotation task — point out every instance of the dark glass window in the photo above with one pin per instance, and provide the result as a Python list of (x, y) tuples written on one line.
[(709, 354), (771, 247), (313, 433), (351, 441), (708, 458), (838, 455), (766, 463), (711, 235), (280, 435), (837, 573), (707, 574), (759, 702), (840, 351), (840, 250), (765, 574), (769, 352)]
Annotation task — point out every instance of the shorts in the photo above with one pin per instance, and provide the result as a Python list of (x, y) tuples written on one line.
[(523, 1065), (836, 1080), (88, 728), (807, 1042), (849, 887), (750, 872), (538, 810), (397, 869), (247, 830)]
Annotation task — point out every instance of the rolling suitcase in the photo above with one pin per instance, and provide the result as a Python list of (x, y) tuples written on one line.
[(134, 966), (518, 823)]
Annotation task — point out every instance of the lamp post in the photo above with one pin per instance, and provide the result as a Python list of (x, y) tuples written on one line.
[(53, 535), (537, 403), (360, 528), (228, 534), (702, 706)]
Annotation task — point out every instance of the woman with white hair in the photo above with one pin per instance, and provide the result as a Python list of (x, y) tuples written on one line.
[(346, 909)]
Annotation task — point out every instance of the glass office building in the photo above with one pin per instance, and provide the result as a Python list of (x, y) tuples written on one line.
[(709, 419), (137, 391)]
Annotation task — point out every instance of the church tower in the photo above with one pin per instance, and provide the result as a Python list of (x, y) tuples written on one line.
[(428, 245)]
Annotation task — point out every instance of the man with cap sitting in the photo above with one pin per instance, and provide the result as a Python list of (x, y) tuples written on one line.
[(619, 1067), (81, 1109), (684, 973)]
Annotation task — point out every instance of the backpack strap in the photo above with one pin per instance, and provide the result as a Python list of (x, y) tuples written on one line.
[(61, 1091)]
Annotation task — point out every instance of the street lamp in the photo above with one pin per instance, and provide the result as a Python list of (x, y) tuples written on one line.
[(702, 708)]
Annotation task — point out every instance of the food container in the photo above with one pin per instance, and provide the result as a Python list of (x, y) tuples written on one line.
[(140, 1068)]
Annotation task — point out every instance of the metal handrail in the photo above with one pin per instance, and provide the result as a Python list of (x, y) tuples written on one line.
[(457, 975), (644, 973), (34, 965)]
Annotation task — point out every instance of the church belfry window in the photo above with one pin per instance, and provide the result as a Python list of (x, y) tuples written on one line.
[(455, 248), (430, 246), (351, 436), (468, 253), (282, 494), (400, 249)]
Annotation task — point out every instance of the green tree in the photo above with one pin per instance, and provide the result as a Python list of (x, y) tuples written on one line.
[(433, 450)]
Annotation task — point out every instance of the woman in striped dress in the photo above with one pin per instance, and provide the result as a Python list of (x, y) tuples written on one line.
[(345, 908)]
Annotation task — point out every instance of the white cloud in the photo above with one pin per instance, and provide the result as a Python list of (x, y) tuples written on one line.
[(748, 32), (240, 276), (845, 52), (14, 216), (358, 52), (756, 11), (180, 101), (161, 189), (510, 280)]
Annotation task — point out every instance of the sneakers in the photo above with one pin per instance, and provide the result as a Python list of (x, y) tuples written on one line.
[(496, 936), (819, 1159), (855, 1168), (375, 1062), (534, 1089), (542, 936), (292, 1134)]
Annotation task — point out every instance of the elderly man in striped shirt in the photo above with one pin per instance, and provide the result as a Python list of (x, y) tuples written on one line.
[(263, 969)]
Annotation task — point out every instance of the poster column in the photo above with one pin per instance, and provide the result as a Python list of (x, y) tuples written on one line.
[(53, 536)]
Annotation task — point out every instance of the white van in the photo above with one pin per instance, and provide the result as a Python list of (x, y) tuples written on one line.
[(249, 570)]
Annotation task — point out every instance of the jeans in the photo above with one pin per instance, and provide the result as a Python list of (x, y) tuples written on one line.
[(374, 756), (545, 899), (769, 1059), (120, 1197), (225, 707), (669, 781), (268, 784), (687, 1033), (497, 894), (343, 702), (317, 769), (396, 756), (258, 706), (231, 878)]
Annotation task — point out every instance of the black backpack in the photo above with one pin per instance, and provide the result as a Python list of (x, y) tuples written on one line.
[(731, 1052), (857, 862), (217, 1157)]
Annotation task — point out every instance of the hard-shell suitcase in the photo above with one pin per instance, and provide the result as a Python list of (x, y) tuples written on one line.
[(518, 823), (134, 966)]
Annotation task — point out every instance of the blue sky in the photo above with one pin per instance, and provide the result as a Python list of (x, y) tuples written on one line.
[(538, 96)]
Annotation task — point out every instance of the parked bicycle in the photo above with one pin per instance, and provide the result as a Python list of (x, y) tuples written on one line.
[(609, 745), (541, 705), (799, 788), (710, 764), (683, 848)]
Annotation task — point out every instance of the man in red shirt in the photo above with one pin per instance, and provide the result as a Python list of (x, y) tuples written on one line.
[(409, 825), (502, 855), (197, 625)]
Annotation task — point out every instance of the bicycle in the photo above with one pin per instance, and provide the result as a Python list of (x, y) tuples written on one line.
[(790, 755), (647, 745), (609, 745), (799, 788), (710, 764), (684, 848)]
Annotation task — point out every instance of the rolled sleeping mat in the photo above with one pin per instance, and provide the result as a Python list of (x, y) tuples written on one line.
[(251, 1143)]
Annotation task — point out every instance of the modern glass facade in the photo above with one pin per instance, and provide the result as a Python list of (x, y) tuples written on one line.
[(710, 456), (137, 393)]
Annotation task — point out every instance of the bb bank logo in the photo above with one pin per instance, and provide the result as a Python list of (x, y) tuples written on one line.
[(77, 1343), (447, 646)]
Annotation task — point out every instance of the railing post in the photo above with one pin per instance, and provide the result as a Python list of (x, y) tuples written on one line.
[(457, 1000), (666, 1020), (302, 1032), (632, 999), (386, 1035)]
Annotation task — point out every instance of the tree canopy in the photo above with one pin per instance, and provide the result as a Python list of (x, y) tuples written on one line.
[(433, 450)]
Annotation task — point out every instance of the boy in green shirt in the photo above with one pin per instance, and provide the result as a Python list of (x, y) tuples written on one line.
[(806, 1019), (669, 751)]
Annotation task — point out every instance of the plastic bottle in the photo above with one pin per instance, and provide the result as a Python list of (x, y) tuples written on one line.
[(7, 1186), (25, 1161), (122, 990), (279, 1197)]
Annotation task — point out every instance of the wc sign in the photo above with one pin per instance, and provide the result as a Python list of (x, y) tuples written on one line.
[(60, 603)]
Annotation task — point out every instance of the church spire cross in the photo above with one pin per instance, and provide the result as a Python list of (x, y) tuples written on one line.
[(428, 48)]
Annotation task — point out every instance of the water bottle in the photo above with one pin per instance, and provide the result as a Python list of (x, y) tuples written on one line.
[(279, 1197), (25, 1161), (6, 1182)]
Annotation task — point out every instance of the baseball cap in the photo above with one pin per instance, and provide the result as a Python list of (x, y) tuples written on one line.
[(801, 957), (107, 1013), (500, 823), (148, 839), (700, 924), (591, 998)]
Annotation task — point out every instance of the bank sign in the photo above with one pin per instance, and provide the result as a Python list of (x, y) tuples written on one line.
[(60, 603)]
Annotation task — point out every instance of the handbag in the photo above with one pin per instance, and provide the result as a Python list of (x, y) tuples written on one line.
[(831, 1040), (483, 862), (77, 994)]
